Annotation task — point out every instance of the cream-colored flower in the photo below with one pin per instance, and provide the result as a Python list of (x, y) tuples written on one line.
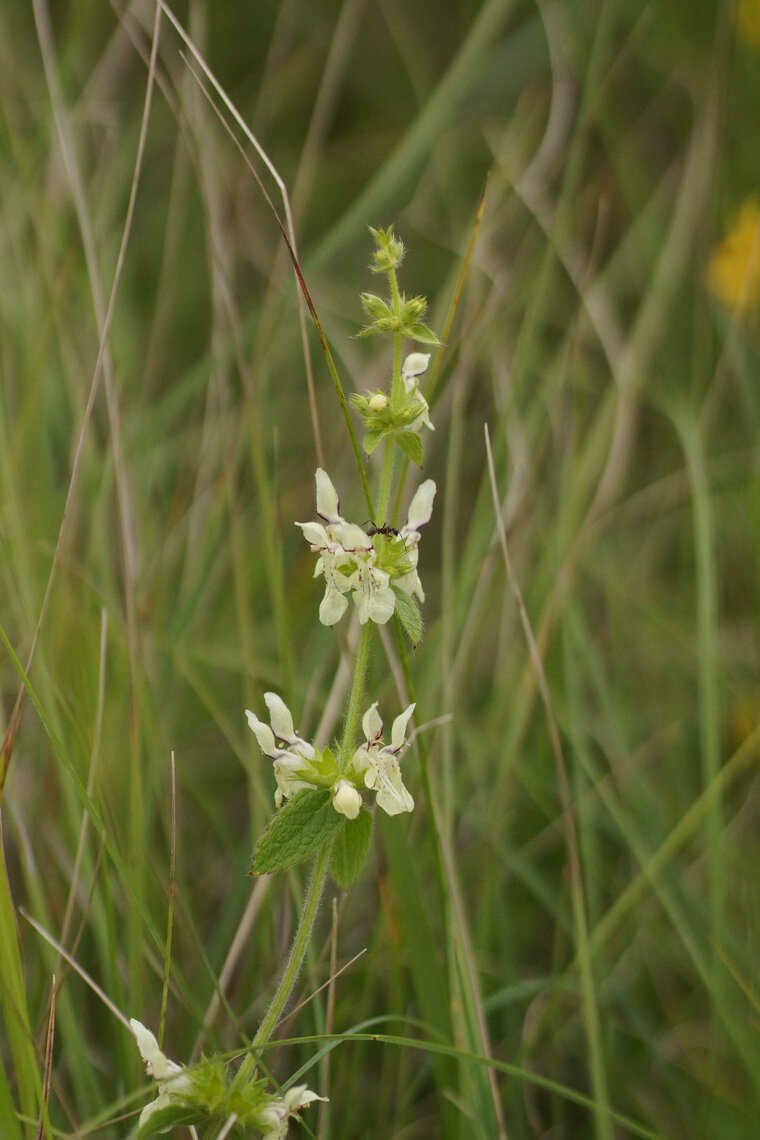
[(348, 562), (420, 512), (414, 366), (294, 766), (342, 547), (379, 764), (275, 1115)]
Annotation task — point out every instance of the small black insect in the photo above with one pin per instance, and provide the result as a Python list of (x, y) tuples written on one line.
[(387, 530)]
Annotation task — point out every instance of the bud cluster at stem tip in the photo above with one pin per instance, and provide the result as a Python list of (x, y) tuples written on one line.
[(389, 250)]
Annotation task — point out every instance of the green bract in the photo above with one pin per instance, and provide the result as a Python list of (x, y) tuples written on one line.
[(403, 319)]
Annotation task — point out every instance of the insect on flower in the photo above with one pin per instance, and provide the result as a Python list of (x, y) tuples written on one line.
[(386, 530)]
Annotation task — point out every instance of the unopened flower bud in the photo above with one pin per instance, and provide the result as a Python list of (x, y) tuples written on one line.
[(346, 799), (378, 402)]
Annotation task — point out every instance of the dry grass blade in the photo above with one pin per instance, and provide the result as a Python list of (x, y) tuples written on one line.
[(48, 1067), (286, 231), (87, 978), (105, 318)]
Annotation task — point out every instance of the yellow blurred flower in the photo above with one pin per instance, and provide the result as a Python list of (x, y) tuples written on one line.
[(733, 274), (747, 19)]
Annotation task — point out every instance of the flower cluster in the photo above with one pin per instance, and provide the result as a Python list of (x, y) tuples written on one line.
[(183, 1093), (174, 1085), (370, 568), (298, 764)]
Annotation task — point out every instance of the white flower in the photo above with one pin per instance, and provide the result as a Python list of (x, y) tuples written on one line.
[(293, 766), (415, 364), (173, 1082), (346, 799), (352, 565), (347, 561), (413, 367), (380, 765), (300, 765), (420, 512), (275, 1115), (344, 535)]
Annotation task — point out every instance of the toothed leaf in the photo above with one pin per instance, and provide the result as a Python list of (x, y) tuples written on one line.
[(350, 850), (410, 617), (411, 445), (298, 830)]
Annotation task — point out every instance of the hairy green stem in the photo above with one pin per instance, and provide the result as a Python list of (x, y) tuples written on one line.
[(398, 340), (354, 700), (295, 961), (389, 459)]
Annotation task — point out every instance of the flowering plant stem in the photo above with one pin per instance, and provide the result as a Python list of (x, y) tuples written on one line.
[(381, 517), (355, 698), (390, 452), (295, 961), (398, 340)]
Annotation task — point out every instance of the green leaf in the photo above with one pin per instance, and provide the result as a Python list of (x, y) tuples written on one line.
[(350, 850), (371, 440), (411, 445), (305, 824), (421, 333), (410, 617)]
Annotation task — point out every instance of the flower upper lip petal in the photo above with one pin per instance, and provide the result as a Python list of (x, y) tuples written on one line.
[(372, 725), (415, 364), (398, 729), (280, 718), (328, 503), (420, 508)]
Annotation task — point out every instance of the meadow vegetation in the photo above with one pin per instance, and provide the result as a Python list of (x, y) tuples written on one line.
[(561, 940)]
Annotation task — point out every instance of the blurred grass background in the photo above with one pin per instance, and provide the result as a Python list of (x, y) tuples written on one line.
[(610, 950)]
